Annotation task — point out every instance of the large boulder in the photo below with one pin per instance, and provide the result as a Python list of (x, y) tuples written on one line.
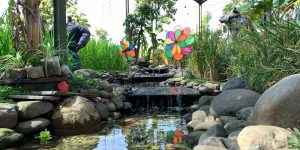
[(8, 115), (237, 125), (236, 83), (279, 105), (230, 102), (75, 115), (32, 126), (264, 137), (32, 109), (9, 137)]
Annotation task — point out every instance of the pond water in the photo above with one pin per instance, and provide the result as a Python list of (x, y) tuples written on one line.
[(145, 131)]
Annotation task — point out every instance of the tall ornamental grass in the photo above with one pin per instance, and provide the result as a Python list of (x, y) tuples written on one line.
[(6, 34), (208, 56), (267, 55), (101, 55)]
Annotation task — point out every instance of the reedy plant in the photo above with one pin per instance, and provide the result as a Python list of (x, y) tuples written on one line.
[(101, 55), (267, 55)]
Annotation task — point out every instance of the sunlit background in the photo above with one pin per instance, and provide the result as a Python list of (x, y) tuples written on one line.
[(110, 14)]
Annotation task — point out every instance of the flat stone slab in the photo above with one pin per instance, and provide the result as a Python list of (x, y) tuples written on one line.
[(151, 78), (61, 94), (34, 97), (155, 70), (163, 91)]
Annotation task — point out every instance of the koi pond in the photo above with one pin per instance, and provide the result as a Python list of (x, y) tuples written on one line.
[(142, 131)]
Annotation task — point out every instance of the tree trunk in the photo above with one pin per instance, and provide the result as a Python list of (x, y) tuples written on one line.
[(32, 23)]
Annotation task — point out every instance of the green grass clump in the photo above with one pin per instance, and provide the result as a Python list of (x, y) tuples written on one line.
[(80, 82), (5, 91), (101, 55), (265, 56), (295, 142)]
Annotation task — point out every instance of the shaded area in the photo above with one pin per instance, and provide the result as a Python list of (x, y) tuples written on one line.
[(162, 97), (151, 78)]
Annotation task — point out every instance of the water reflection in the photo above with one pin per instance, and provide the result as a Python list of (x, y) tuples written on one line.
[(148, 133)]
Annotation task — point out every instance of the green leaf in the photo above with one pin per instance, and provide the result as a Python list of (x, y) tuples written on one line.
[(245, 7)]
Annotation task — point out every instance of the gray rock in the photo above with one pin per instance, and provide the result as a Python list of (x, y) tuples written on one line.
[(214, 131), (231, 144), (244, 113), (119, 91), (105, 95), (127, 105), (32, 126), (118, 101), (65, 71), (193, 108), (212, 141), (102, 110), (279, 105), (107, 87), (8, 115), (89, 73), (205, 108), (205, 100), (230, 102), (32, 109), (111, 107), (192, 138), (75, 115), (236, 83), (187, 117), (9, 137), (17, 73), (35, 72), (233, 135), (237, 125), (53, 67), (206, 147), (227, 119)]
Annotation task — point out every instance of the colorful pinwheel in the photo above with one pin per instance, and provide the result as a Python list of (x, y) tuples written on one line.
[(126, 50), (178, 43)]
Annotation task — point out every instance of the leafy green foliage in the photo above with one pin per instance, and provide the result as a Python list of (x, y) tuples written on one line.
[(295, 142), (266, 56), (46, 7), (44, 136), (149, 17), (6, 34), (101, 55), (80, 82), (101, 34), (10, 61), (5, 91)]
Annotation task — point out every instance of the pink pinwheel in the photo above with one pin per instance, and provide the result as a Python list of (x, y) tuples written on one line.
[(178, 43)]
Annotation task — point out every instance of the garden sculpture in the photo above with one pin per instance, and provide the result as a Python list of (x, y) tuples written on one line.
[(78, 37), (233, 22)]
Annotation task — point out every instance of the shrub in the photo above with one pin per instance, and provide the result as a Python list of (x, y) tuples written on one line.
[(266, 56)]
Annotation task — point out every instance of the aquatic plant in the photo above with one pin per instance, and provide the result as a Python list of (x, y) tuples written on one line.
[(45, 136)]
